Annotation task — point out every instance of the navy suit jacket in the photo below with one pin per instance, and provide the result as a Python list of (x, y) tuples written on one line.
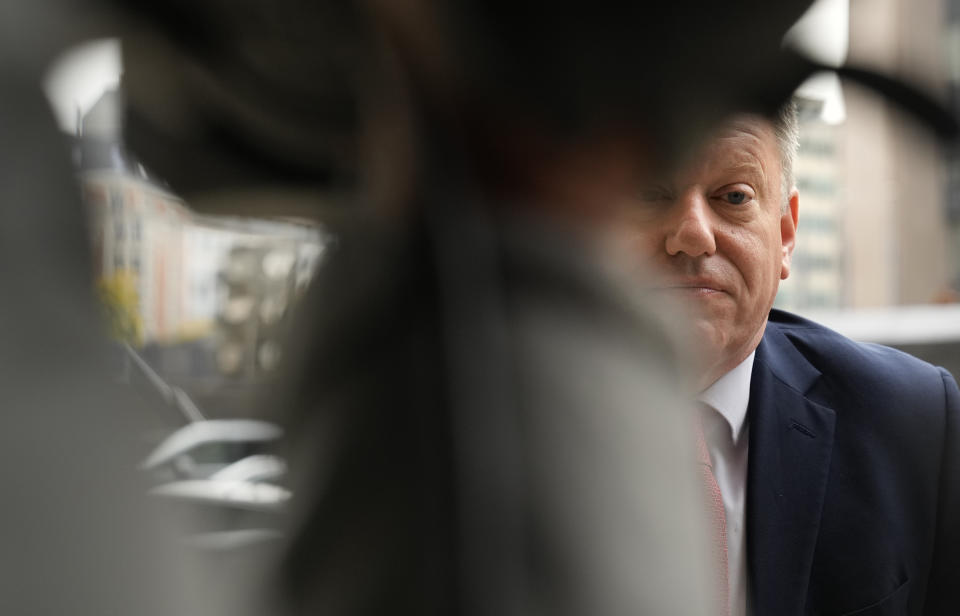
[(853, 485)]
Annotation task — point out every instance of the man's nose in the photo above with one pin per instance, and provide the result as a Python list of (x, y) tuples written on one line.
[(690, 227)]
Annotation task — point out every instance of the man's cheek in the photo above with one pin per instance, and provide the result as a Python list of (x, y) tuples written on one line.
[(631, 248)]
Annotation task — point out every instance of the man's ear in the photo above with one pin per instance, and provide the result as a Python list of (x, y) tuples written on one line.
[(788, 231)]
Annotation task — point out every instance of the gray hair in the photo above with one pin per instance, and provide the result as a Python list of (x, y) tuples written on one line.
[(786, 126)]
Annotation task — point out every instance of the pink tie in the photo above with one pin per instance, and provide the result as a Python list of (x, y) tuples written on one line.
[(717, 517)]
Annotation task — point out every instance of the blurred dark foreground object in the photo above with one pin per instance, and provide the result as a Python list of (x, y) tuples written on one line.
[(512, 448), (225, 96)]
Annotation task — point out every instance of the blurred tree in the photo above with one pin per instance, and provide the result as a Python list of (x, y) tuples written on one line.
[(121, 303)]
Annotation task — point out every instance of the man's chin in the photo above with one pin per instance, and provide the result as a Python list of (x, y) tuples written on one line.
[(705, 333)]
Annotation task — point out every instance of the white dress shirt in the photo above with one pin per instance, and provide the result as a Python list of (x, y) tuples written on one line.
[(727, 440)]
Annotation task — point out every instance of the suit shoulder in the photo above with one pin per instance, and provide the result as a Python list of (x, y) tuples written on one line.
[(841, 359)]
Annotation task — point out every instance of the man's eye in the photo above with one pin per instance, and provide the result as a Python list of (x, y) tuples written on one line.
[(736, 197)]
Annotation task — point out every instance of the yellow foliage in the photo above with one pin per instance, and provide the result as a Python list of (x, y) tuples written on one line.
[(121, 303)]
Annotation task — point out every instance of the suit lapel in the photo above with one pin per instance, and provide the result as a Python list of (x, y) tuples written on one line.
[(791, 439)]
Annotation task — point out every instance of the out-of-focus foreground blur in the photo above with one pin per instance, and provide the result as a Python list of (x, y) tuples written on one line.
[(207, 323)]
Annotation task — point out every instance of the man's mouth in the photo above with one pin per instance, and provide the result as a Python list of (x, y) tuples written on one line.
[(695, 287)]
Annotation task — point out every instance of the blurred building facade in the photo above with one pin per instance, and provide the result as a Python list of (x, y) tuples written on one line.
[(879, 212), (228, 282), (895, 170), (952, 47), (138, 234)]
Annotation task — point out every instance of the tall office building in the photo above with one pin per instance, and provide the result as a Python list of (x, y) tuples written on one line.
[(816, 279), (894, 207), (878, 213)]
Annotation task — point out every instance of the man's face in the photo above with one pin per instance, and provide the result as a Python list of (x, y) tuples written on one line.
[(717, 241)]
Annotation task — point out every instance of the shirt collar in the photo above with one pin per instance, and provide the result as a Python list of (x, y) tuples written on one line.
[(730, 394)]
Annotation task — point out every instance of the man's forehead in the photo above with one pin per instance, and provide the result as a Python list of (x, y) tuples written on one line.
[(747, 132), (742, 141)]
